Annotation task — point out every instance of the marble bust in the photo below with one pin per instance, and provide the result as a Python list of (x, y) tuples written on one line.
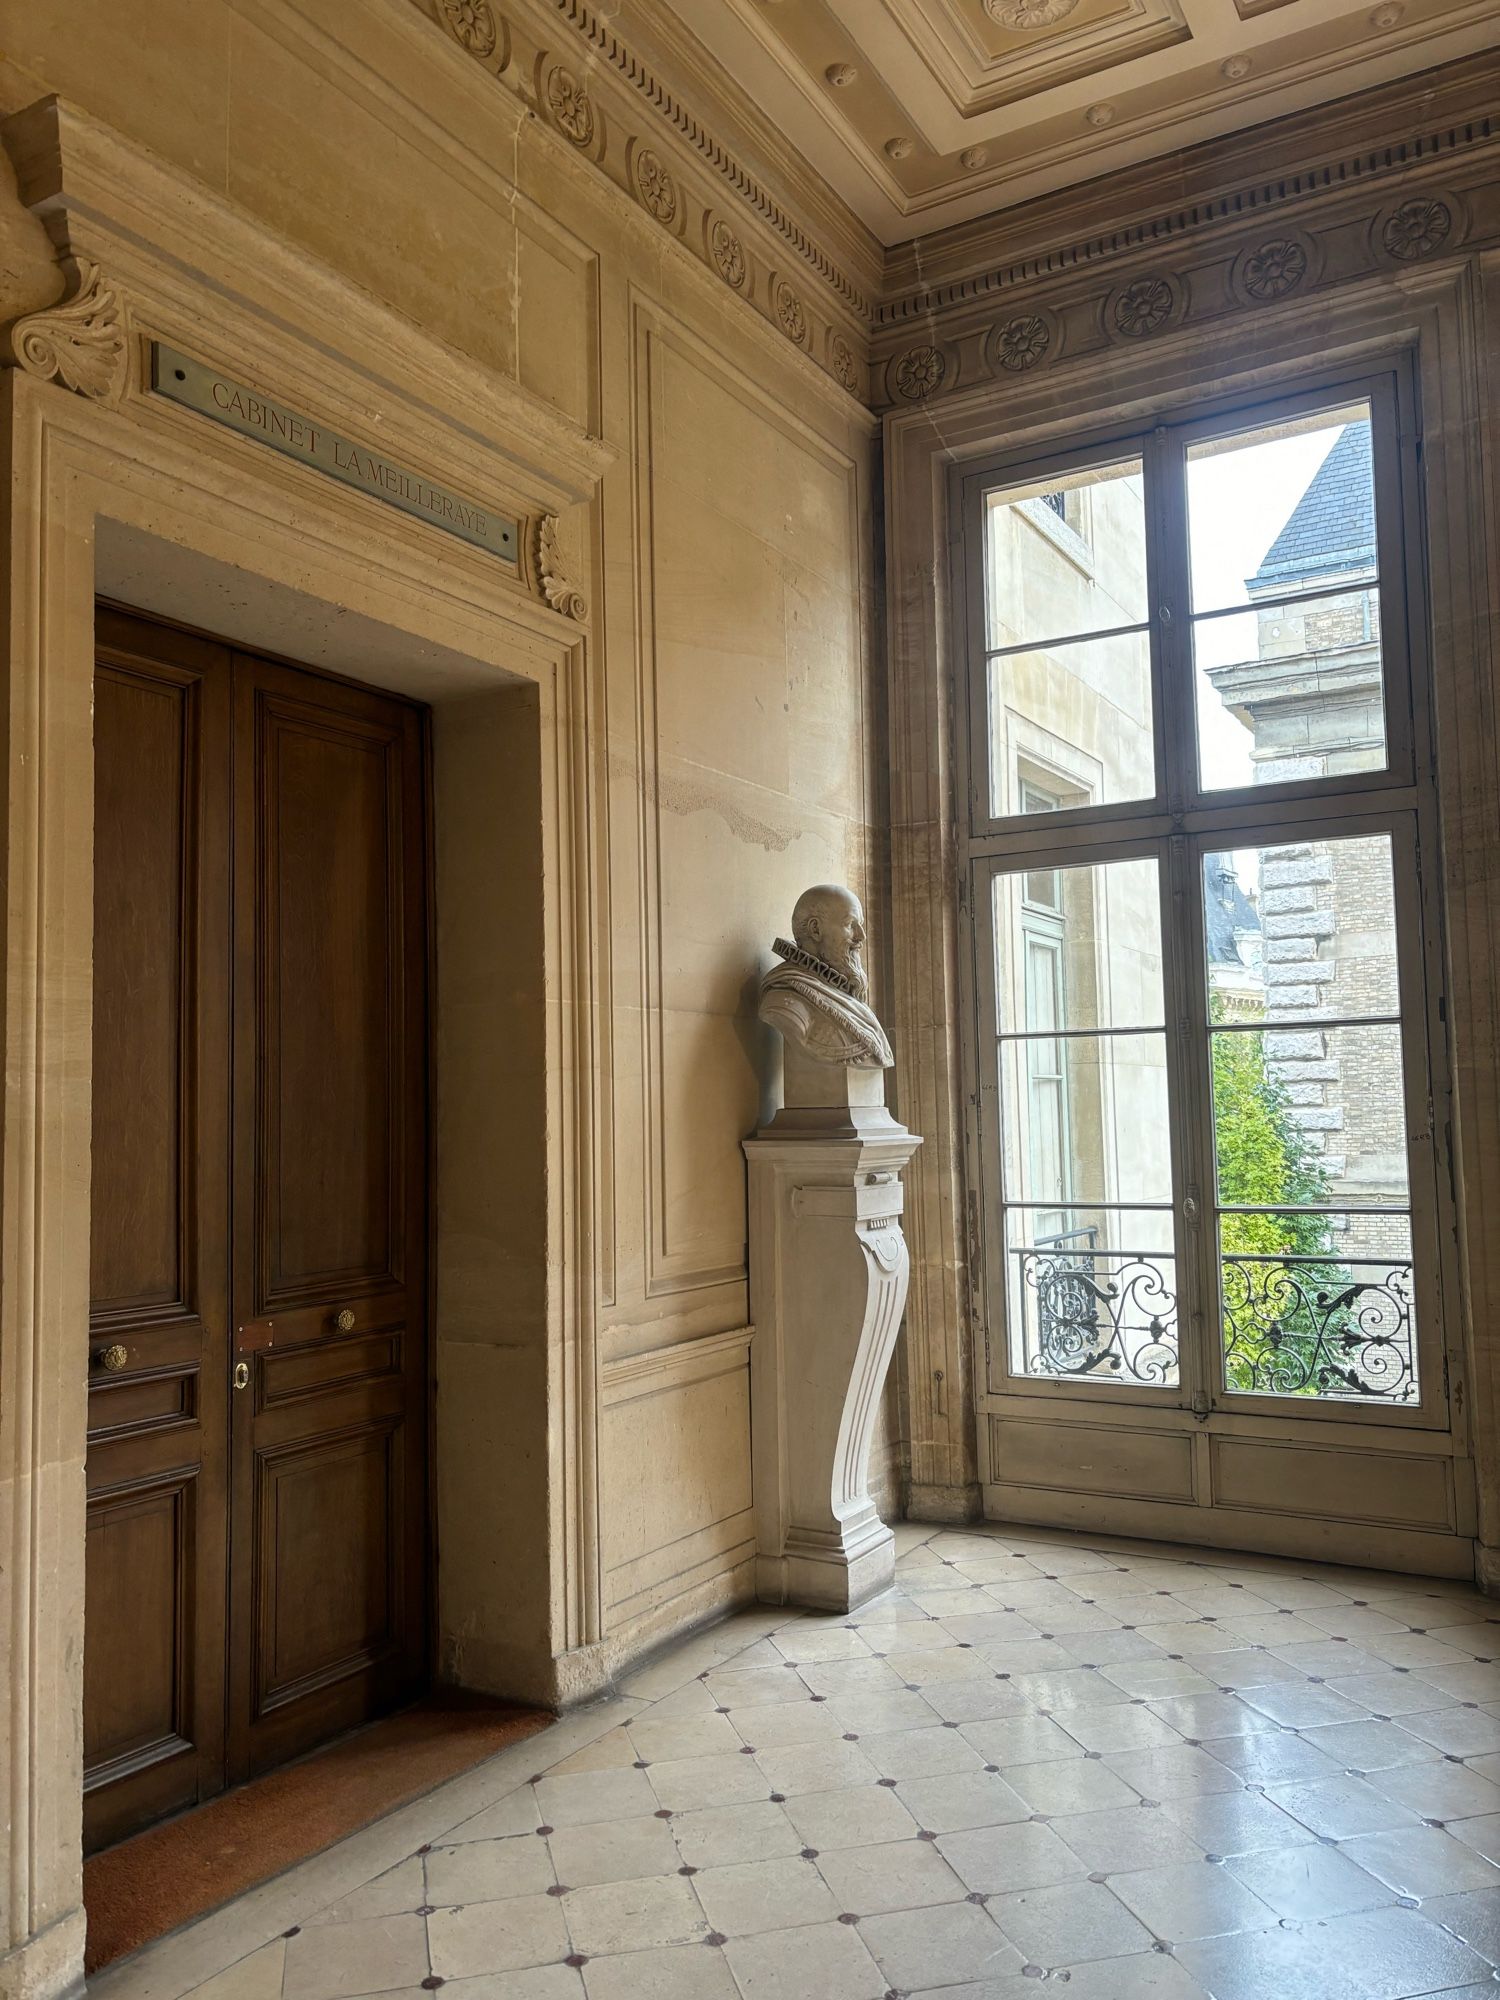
[(817, 996)]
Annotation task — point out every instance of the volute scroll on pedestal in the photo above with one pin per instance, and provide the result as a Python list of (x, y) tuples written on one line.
[(82, 343)]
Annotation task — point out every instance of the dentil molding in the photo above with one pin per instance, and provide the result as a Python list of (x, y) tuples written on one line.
[(1215, 265)]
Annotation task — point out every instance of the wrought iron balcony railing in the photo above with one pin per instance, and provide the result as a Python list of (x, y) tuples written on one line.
[(1293, 1325)]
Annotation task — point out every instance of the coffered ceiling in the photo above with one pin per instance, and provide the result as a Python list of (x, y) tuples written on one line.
[(921, 113)]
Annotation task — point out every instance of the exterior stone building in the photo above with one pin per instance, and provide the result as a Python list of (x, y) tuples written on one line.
[(1313, 702)]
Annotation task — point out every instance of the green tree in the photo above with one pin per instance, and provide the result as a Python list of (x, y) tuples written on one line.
[(1264, 1160)]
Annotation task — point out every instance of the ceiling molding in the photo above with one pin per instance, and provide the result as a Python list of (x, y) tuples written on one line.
[(1373, 219), (1444, 111), (943, 110)]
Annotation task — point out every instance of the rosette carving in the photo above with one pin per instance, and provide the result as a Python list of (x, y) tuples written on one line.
[(728, 253), (841, 360), (1273, 269), (563, 596), (82, 344), (568, 101), (919, 373), (1021, 342), (1144, 307), (471, 24), (655, 186), (790, 312), (1416, 228)]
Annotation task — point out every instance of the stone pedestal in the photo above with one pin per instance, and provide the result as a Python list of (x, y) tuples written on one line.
[(828, 1276)]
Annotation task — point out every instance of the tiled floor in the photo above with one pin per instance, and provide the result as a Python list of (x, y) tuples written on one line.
[(1038, 1762)]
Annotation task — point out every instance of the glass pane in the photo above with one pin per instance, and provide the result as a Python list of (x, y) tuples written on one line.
[(1318, 1127), (1300, 933), (1286, 691), (1286, 507), (1092, 1295), (1080, 710), (1291, 691), (1084, 1119), (1319, 1306), (1103, 932), (1065, 556)]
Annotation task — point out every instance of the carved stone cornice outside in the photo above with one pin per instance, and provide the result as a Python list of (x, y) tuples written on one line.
[(563, 596), (82, 343)]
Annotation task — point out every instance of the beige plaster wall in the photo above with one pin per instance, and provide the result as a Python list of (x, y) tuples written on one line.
[(727, 568)]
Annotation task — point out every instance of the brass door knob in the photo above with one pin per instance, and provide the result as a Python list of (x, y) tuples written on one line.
[(344, 1320), (112, 1358), (241, 1374)]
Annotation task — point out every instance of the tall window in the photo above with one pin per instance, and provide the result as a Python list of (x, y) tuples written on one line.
[(1197, 807)]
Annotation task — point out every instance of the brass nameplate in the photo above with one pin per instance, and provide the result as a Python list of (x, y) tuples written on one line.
[(198, 387)]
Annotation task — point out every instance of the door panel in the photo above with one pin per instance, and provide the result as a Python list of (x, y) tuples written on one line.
[(330, 1035), (158, 1323), (328, 1612), (256, 1555)]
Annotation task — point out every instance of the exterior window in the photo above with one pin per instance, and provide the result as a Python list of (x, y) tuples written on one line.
[(1203, 1055)]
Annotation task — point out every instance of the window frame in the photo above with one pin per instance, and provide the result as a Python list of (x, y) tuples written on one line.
[(1177, 825), (1162, 448)]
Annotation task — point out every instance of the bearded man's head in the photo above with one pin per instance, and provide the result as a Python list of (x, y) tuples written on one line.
[(829, 924)]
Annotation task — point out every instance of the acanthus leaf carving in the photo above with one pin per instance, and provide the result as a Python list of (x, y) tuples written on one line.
[(564, 597), (81, 343)]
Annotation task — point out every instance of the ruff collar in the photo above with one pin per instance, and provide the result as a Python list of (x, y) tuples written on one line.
[(795, 955)]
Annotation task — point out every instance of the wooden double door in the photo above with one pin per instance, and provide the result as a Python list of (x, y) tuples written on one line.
[(257, 1360)]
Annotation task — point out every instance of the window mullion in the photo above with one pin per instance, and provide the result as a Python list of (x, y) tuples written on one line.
[(1171, 626), (1192, 1163)]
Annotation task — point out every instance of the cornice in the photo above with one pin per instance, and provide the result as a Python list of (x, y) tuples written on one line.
[(572, 71), (853, 266), (1366, 216), (1447, 111)]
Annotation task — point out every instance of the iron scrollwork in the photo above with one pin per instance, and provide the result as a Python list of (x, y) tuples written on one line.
[(1319, 1330), (1108, 1313)]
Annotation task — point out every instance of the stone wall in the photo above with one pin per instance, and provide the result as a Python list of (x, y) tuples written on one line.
[(726, 570)]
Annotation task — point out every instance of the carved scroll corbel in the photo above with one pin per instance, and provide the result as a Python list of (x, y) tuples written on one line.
[(555, 587), (82, 343)]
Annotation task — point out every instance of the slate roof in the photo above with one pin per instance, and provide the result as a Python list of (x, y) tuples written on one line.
[(1331, 530), (1228, 912)]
